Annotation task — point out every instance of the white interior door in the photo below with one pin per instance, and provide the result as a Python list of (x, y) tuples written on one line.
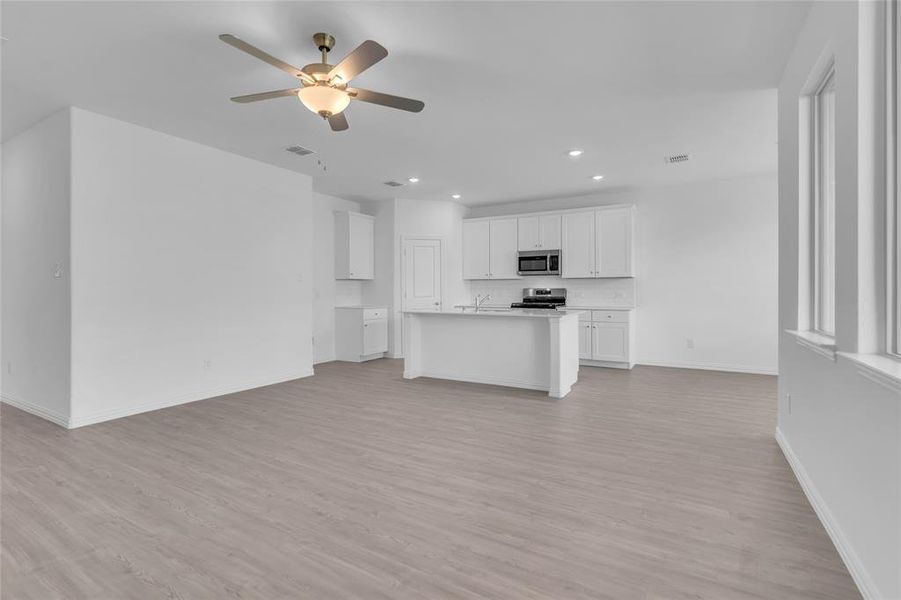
[(422, 274)]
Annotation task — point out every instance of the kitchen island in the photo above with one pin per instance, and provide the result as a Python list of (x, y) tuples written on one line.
[(530, 349)]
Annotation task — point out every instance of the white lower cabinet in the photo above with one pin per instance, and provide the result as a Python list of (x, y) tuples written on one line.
[(361, 333), (585, 339), (606, 338), (610, 341)]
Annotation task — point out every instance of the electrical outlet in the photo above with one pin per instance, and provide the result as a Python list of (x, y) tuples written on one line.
[(207, 364), (689, 343)]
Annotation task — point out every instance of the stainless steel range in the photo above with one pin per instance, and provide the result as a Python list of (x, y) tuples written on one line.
[(546, 298)]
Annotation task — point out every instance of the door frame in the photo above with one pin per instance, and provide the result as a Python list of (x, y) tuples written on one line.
[(442, 244)]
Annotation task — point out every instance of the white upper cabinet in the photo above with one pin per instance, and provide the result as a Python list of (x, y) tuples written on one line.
[(613, 245), (529, 233), (550, 232), (539, 232), (502, 249), (490, 249), (475, 250), (354, 245), (593, 242), (577, 253)]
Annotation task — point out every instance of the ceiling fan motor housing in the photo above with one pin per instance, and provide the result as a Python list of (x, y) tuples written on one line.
[(324, 41)]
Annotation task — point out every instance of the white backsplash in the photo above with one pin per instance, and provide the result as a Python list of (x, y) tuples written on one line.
[(580, 292)]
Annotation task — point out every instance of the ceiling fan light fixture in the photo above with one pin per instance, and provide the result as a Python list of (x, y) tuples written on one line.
[(324, 100)]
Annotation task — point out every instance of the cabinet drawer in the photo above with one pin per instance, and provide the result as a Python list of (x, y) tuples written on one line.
[(373, 314), (610, 316)]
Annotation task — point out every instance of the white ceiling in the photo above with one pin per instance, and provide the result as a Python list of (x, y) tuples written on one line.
[(508, 87)]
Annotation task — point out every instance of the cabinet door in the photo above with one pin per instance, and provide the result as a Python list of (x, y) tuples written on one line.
[(504, 257), (585, 339), (375, 336), (361, 239), (475, 250), (529, 233), (610, 341), (549, 225), (614, 242), (577, 251)]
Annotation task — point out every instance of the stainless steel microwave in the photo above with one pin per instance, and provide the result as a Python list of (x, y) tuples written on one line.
[(539, 262)]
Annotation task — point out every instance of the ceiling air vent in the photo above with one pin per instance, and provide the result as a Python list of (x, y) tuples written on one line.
[(393, 183), (677, 158), (300, 150)]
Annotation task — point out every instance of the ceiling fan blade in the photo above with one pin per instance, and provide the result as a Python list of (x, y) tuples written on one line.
[(265, 57), (364, 56), (386, 99), (265, 95), (338, 122)]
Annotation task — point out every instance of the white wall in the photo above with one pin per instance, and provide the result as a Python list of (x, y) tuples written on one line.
[(706, 271), (840, 429), (380, 291), (327, 291), (429, 218), (36, 322), (400, 218), (191, 271)]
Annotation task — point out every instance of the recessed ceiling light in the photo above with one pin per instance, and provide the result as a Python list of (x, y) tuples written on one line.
[(597, 177), (413, 179), (575, 153), (455, 196)]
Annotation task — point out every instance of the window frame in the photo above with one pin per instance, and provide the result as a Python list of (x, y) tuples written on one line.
[(817, 229), (893, 186)]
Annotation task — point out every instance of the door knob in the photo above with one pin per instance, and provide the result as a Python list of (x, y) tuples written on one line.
[(437, 304)]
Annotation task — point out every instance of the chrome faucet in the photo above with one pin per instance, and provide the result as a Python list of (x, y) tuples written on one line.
[(480, 300)]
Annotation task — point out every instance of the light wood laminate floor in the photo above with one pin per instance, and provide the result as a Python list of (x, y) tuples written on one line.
[(650, 484)]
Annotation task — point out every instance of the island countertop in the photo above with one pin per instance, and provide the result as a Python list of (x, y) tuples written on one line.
[(519, 313)]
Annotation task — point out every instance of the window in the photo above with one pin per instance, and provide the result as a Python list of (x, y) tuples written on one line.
[(823, 213), (893, 168)]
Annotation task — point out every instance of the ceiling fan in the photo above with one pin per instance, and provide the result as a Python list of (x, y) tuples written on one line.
[(324, 90)]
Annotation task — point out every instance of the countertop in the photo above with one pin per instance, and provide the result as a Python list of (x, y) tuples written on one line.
[(597, 307), (507, 312), (364, 306)]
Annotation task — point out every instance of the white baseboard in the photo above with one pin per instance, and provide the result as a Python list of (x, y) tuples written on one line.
[(117, 413), (36, 410), (858, 572), (705, 366)]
